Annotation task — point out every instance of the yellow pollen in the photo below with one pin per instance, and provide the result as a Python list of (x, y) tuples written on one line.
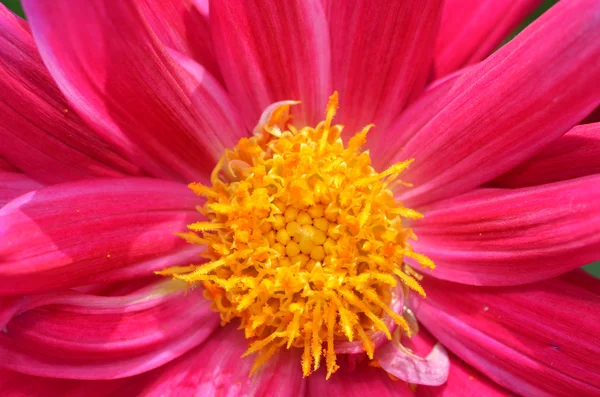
[(304, 240)]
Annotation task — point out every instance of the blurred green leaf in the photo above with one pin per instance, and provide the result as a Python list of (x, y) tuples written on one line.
[(14, 5)]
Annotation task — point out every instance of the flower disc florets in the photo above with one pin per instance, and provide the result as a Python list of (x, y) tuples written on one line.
[(305, 241)]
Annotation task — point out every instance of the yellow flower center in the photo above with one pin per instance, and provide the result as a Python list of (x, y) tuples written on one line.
[(305, 241)]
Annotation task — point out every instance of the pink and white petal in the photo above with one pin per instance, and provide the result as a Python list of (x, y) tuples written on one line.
[(573, 155), (14, 184), (507, 109), (14, 384), (83, 336), (382, 54), (463, 380), (120, 78), (535, 340), (182, 26), (268, 53), (74, 233), (364, 381), (216, 369), (40, 133), (390, 141), (512, 237), (470, 30)]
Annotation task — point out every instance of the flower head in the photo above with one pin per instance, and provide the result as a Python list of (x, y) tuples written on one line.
[(304, 257)]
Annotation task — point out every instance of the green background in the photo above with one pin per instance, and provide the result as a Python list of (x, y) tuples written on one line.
[(593, 268)]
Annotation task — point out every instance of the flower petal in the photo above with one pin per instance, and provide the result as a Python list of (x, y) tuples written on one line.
[(215, 369), (269, 53), (84, 336), (39, 133), (397, 360), (507, 108), (524, 338), (511, 237), (381, 57), (471, 29), (573, 155), (364, 381), (71, 234), (463, 380), (14, 384), (390, 141), (119, 77), (183, 26), (14, 184)]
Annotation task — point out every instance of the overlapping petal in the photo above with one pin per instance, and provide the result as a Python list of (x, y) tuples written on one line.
[(14, 184), (536, 340), (471, 29), (77, 233), (508, 108), (131, 90), (510, 237), (215, 369), (575, 154), (83, 336), (381, 57), (270, 52), (39, 133)]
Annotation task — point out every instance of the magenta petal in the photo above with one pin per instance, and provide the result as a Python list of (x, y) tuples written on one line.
[(14, 384), (118, 75), (573, 155), (507, 108), (39, 132), (13, 184), (183, 26), (431, 370), (71, 234), (269, 52), (381, 57), (364, 381), (511, 237), (471, 29), (536, 340), (216, 369), (93, 337)]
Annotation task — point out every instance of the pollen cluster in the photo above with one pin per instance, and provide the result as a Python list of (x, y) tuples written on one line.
[(304, 240)]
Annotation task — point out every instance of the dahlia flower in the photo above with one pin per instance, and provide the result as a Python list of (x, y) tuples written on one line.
[(299, 198)]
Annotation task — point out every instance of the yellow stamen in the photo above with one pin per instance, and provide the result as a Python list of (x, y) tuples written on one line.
[(304, 240)]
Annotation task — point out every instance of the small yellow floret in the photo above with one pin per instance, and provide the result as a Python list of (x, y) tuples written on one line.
[(305, 241)]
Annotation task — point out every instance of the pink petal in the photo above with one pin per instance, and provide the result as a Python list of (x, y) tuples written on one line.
[(72, 234), (463, 380), (40, 133), (381, 57), (14, 184), (511, 237), (119, 77), (390, 141), (93, 337), (471, 29), (215, 369), (269, 52), (14, 384), (364, 381), (431, 369), (507, 108), (573, 155), (182, 26), (536, 340), (6, 166)]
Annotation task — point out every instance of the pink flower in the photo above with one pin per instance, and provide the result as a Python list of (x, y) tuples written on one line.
[(109, 109)]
